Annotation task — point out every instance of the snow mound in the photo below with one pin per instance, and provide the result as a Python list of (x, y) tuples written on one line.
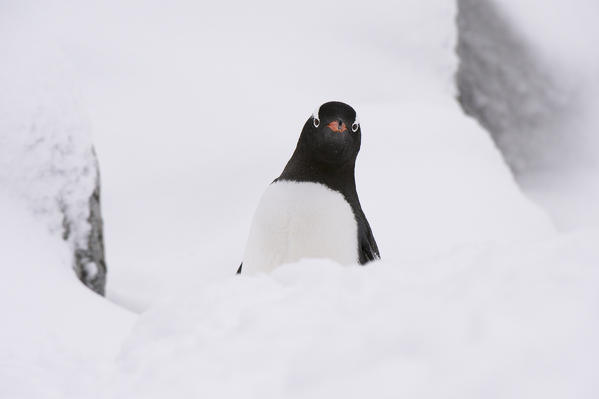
[(437, 182), (511, 321), (57, 337)]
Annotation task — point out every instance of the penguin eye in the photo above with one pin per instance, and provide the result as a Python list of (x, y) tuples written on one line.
[(316, 122), (355, 126)]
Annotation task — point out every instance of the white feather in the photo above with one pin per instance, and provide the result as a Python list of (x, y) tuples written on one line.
[(300, 220)]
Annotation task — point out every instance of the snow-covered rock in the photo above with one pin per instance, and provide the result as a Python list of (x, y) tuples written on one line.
[(505, 84), (46, 155), (528, 73)]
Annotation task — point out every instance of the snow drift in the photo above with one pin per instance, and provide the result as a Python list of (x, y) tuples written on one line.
[(57, 338), (515, 321)]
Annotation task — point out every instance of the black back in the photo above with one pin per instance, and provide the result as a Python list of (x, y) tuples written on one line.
[(326, 153)]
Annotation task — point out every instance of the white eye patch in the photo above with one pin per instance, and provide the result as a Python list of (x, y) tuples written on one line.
[(316, 120), (356, 125)]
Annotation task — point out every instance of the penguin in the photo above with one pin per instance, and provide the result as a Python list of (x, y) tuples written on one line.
[(312, 209)]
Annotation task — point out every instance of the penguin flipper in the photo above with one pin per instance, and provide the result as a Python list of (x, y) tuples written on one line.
[(368, 250), (239, 269)]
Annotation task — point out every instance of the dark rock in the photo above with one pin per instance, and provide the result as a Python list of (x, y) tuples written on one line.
[(90, 263)]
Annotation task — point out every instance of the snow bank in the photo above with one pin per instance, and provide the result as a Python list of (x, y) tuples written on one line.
[(57, 337), (503, 321), (515, 321), (444, 184)]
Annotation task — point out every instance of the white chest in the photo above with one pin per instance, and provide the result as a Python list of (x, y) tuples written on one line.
[(300, 220)]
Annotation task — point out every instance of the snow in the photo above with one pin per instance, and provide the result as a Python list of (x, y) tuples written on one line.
[(46, 154), (195, 109), (566, 35), (45, 147), (486, 321), (57, 336)]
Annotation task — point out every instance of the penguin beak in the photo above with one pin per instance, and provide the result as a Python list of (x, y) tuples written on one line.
[(337, 126)]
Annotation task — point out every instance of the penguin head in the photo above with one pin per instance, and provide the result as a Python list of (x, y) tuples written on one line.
[(333, 133)]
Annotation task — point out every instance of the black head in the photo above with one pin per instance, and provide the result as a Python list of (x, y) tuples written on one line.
[(332, 134)]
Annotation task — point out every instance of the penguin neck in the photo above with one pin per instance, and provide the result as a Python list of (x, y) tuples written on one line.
[(305, 167)]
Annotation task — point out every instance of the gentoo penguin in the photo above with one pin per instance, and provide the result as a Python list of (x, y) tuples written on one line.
[(312, 209)]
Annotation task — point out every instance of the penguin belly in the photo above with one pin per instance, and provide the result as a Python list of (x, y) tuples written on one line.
[(296, 220)]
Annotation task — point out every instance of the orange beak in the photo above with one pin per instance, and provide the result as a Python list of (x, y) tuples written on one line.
[(334, 126)]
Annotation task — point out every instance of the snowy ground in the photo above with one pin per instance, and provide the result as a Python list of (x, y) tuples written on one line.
[(57, 338), (195, 109), (477, 322)]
